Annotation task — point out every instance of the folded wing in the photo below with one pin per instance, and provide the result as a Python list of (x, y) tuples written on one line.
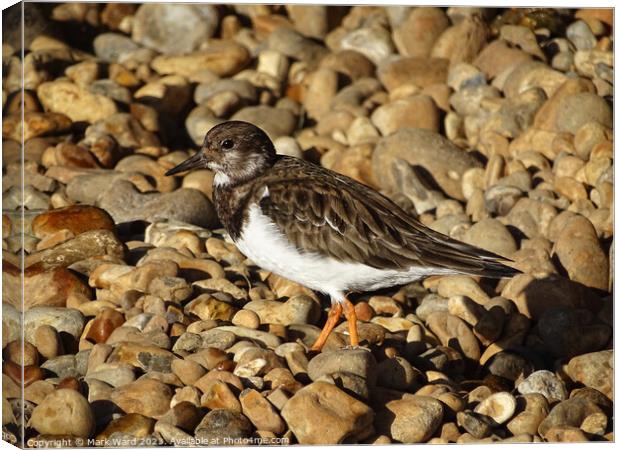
[(335, 216)]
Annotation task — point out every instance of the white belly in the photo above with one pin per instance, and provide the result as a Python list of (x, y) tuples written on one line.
[(263, 243)]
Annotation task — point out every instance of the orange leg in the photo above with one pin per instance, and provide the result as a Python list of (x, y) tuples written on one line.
[(332, 320), (349, 313)]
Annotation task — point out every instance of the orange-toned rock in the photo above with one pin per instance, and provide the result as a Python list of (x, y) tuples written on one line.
[(594, 370), (265, 24), (329, 415), (416, 111), (348, 62), (579, 250), (286, 288), (227, 365), (605, 15), (208, 357), (148, 397), (14, 371), (260, 412), (187, 370), (364, 311), (114, 13), (124, 77), (69, 155), (224, 58), (354, 162), (218, 395), (106, 321), (54, 239), (206, 307), (10, 389), (44, 287), (145, 357), (280, 377), (76, 218), (134, 424), (6, 226), (69, 383), (204, 382), (35, 124), (183, 415), (23, 354)]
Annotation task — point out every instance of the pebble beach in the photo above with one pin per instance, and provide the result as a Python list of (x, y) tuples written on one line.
[(144, 325)]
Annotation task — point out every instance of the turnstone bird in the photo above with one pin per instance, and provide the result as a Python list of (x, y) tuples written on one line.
[(320, 228)]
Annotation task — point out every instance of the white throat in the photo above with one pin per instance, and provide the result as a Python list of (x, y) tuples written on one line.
[(221, 179)]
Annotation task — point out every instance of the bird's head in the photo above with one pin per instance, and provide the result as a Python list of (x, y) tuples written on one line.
[(236, 151)]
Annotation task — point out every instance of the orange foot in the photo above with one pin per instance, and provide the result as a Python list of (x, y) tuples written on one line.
[(332, 320)]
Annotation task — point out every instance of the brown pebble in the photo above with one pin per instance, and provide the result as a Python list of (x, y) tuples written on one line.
[(177, 329), (48, 341), (246, 318), (565, 434), (209, 357), (364, 311), (14, 371), (157, 323), (450, 432), (390, 352), (218, 395), (69, 383), (214, 375), (13, 352), (176, 312), (32, 374), (104, 324), (75, 218), (280, 377), (188, 371), (277, 329), (227, 365)]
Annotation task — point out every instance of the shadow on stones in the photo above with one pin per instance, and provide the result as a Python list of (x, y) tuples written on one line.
[(551, 298), (105, 411), (171, 128), (133, 230), (427, 179), (69, 343)]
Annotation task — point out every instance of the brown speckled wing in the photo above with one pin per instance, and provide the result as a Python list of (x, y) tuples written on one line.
[(323, 212)]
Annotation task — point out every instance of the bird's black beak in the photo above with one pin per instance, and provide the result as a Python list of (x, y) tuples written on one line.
[(190, 163)]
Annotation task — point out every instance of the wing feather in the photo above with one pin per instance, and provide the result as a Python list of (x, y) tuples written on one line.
[(336, 216)]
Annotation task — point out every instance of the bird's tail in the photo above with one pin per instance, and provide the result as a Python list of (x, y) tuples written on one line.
[(470, 260)]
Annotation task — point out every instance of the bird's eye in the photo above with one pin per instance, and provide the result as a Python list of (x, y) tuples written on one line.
[(227, 144)]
